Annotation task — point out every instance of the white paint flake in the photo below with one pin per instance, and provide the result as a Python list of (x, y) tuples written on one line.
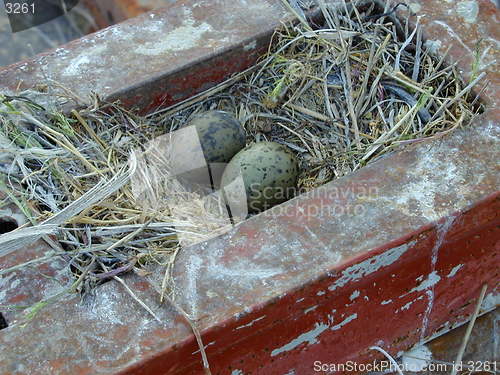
[(407, 306), (251, 323), (350, 318), (386, 302), (431, 280), (454, 271), (312, 308), (371, 265), (310, 337), (354, 295)]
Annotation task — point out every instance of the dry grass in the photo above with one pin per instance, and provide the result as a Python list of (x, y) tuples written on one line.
[(340, 94)]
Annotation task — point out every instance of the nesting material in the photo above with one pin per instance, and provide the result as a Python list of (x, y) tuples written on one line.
[(339, 92)]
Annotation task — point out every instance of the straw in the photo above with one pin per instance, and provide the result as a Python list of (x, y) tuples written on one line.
[(339, 93)]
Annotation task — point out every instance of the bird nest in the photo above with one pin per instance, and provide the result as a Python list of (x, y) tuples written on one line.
[(340, 90)]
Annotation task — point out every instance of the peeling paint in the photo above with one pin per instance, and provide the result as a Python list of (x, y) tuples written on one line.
[(419, 197), (233, 267), (368, 266), (310, 337), (407, 306), (454, 271), (237, 372), (251, 323), (321, 293), (350, 318), (354, 295), (432, 279), (386, 302), (312, 308)]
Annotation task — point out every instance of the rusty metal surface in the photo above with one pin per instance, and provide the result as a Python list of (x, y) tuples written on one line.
[(156, 58), (269, 291), (407, 241), (142, 54)]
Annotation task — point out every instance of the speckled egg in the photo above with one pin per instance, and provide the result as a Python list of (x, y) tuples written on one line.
[(269, 174), (221, 135), (199, 151)]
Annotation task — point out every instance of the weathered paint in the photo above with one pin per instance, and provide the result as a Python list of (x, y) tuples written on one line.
[(407, 305), (310, 337), (286, 260), (347, 320), (143, 61), (309, 309), (251, 323), (431, 280), (369, 266), (354, 295), (454, 270), (238, 300)]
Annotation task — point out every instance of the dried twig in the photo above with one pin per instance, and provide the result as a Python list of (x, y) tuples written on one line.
[(461, 350)]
